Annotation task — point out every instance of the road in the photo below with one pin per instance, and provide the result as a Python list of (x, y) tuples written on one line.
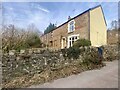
[(106, 77)]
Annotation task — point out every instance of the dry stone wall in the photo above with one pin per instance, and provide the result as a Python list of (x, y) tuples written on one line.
[(35, 61), (111, 52)]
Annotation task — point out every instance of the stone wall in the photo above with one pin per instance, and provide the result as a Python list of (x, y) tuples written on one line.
[(111, 52), (34, 61), (112, 37)]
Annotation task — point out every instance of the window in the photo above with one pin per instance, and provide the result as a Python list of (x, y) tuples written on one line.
[(72, 39), (71, 26)]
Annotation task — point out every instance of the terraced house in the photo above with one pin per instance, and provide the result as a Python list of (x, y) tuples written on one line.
[(90, 24)]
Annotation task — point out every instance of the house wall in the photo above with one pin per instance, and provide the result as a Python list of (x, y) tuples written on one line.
[(98, 30), (81, 28), (47, 38), (90, 25), (58, 34)]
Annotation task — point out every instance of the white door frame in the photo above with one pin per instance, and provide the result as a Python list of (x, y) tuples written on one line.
[(62, 43)]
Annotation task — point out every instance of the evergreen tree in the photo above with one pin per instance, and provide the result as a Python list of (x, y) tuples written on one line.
[(50, 28)]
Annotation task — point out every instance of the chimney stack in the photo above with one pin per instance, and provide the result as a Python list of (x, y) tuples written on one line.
[(69, 17)]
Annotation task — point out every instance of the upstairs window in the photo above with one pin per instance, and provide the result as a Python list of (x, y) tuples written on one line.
[(71, 26)]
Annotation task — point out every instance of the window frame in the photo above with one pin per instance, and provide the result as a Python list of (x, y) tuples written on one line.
[(69, 26), (70, 41)]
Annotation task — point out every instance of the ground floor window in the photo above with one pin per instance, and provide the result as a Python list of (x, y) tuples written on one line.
[(72, 39)]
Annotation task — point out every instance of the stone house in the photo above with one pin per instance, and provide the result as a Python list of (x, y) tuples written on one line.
[(89, 25)]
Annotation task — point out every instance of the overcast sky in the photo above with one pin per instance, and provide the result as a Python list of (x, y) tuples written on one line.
[(41, 14)]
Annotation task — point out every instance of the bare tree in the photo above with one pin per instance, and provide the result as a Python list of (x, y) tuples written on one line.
[(33, 29), (114, 24), (15, 38), (12, 37)]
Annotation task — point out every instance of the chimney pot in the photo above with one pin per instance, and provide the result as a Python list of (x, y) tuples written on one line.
[(69, 17)]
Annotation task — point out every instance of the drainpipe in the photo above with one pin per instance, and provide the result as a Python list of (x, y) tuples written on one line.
[(97, 38)]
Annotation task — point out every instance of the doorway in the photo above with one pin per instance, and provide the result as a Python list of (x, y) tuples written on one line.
[(63, 43)]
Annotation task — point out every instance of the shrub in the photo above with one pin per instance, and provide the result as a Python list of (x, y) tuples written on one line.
[(82, 42), (91, 58), (72, 52), (22, 46), (33, 41)]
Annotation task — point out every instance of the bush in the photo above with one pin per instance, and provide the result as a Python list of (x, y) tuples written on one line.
[(21, 46), (34, 41), (72, 52), (82, 42), (91, 58)]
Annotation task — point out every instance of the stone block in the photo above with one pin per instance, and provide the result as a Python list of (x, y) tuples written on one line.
[(12, 52), (22, 51)]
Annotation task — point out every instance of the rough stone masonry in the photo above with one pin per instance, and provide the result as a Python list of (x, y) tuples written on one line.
[(32, 61)]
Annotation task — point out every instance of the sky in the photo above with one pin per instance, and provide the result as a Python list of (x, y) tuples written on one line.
[(22, 14)]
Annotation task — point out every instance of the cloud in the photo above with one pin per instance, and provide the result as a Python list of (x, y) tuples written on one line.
[(37, 6), (43, 9), (41, 14), (11, 8)]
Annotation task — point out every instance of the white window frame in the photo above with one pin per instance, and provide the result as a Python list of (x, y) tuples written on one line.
[(70, 41), (69, 26)]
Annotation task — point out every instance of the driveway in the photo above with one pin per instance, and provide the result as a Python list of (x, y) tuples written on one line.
[(106, 77)]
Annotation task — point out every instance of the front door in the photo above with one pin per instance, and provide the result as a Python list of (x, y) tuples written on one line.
[(63, 42)]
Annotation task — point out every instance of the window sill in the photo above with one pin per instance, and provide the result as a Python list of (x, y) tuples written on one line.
[(70, 32)]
